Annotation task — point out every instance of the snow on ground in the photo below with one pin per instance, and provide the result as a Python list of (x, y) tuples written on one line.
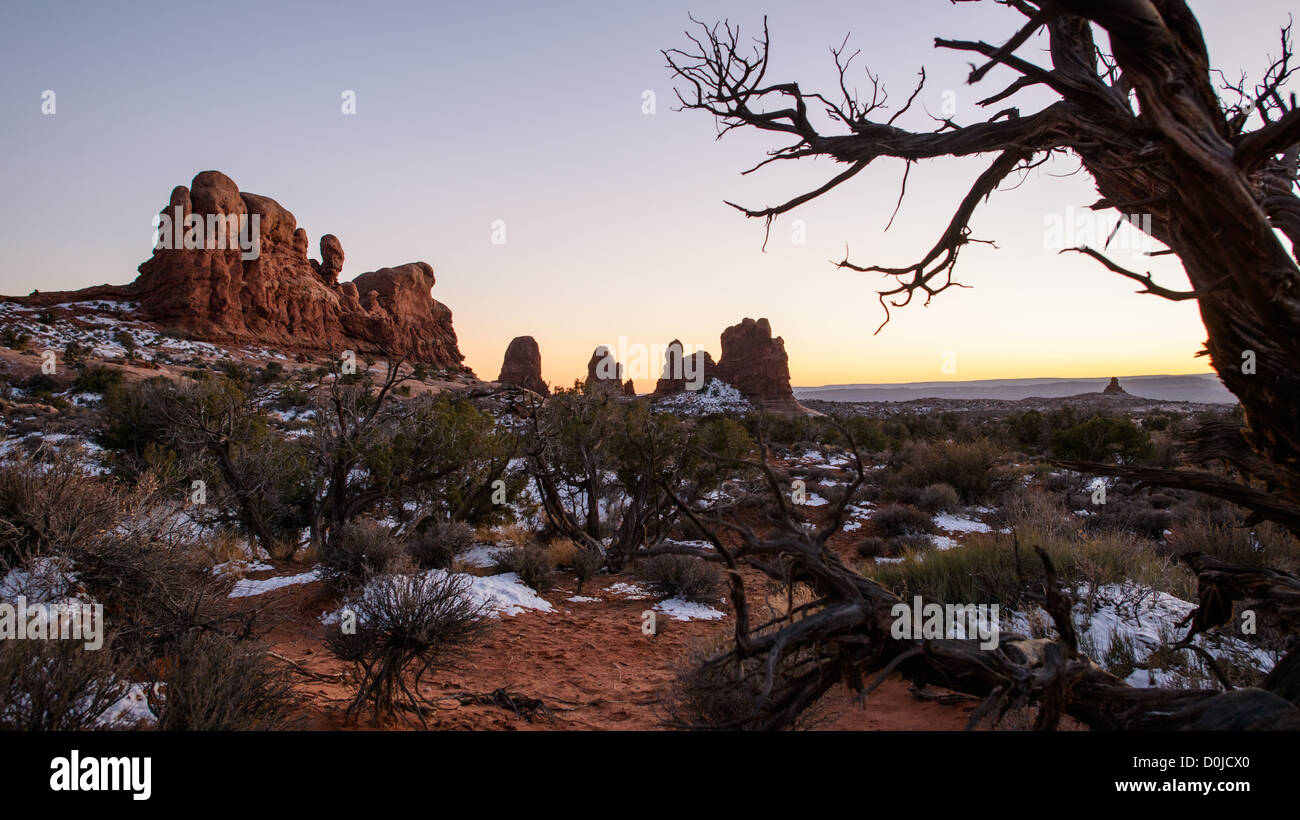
[(682, 610), (683, 542), (582, 599), (626, 590), (861, 509), (41, 581), (503, 594), (1130, 617), (814, 500), (715, 397), (128, 713), (499, 595), (240, 567), (943, 542), (481, 555), (247, 587), (958, 523)]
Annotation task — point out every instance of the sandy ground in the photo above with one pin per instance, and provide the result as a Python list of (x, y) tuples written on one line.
[(589, 663)]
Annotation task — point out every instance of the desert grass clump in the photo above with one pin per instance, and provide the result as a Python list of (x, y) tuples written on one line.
[(680, 576), (404, 626), (1000, 568), (1219, 531), (211, 683)]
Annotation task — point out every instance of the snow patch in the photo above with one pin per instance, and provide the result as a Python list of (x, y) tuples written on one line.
[(682, 610)]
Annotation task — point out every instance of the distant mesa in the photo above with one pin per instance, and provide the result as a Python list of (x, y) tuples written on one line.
[(247, 279), (522, 366), (1113, 389)]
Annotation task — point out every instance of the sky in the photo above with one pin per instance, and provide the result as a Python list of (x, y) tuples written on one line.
[(534, 115)]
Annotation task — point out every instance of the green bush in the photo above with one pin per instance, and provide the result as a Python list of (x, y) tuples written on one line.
[(97, 379), (1103, 438), (967, 467)]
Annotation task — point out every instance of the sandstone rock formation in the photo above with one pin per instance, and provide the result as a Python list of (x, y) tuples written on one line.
[(756, 364), (522, 365), (604, 371), (1113, 389), (331, 259), (216, 278), (681, 372)]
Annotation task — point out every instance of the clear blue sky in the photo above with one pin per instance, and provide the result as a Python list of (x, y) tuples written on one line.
[(531, 113)]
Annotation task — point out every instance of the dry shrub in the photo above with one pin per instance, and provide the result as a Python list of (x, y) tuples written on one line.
[(680, 576), (223, 546), (873, 547), (714, 691), (51, 505), (405, 625), (938, 498), (214, 684), (531, 563), (587, 561), (155, 584), (584, 561), (900, 519), (56, 685), (967, 467), (437, 546), (357, 552), (563, 552)]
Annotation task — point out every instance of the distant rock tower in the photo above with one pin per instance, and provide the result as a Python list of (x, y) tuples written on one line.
[(1113, 389), (522, 365)]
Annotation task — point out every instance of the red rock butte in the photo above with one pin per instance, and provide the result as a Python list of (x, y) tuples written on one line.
[(277, 297)]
